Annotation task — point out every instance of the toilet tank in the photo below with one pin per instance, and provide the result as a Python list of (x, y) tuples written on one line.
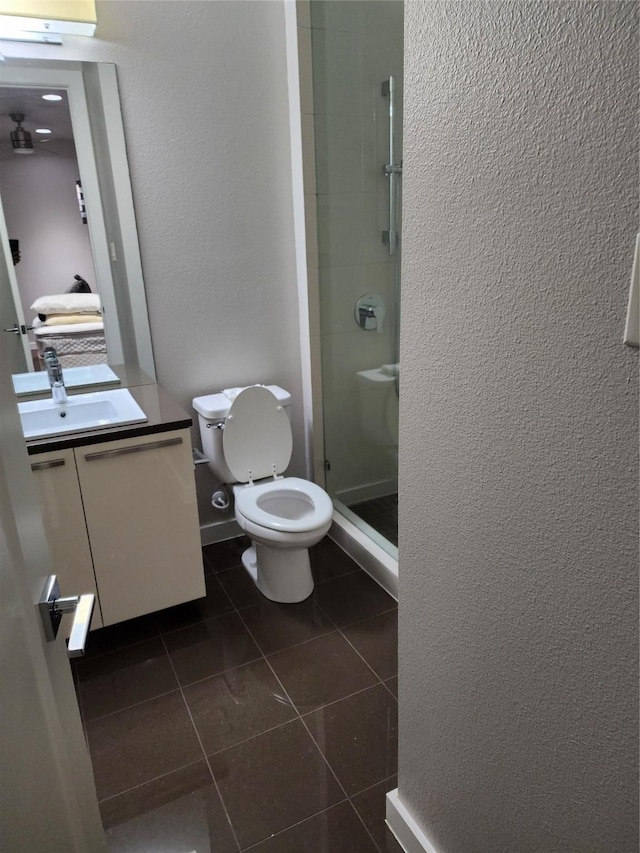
[(212, 412)]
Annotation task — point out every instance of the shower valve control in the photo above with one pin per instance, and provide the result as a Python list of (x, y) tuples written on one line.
[(369, 312)]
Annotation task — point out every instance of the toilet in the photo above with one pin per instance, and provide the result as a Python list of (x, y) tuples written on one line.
[(246, 437)]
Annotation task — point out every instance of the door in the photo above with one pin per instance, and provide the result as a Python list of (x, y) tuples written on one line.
[(48, 797), (16, 325)]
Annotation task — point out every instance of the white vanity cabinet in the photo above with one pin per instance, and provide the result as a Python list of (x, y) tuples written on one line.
[(140, 520), (64, 524), (140, 507)]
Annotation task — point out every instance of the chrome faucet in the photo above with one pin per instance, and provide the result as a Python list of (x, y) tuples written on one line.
[(54, 372)]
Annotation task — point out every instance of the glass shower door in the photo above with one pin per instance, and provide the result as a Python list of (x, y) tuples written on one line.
[(357, 53)]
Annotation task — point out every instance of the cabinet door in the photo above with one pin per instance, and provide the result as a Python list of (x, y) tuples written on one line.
[(142, 517), (63, 515)]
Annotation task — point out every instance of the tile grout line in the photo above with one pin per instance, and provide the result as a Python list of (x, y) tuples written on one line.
[(331, 768), (299, 717), (379, 677), (206, 759), (331, 630), (149, 781), (160, 634), (236, 743), (133, 705), (297, 823), (386, 686), (340, 631), (98, 655), (369, 787), (361, 819), (293, 708), (379, 680), (184, 699), (307, 729), (375, 843)]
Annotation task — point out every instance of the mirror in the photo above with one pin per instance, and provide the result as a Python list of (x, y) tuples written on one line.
[(48, 234), (55, 242)]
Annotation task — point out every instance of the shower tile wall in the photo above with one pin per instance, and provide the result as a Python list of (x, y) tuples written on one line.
[(354, 46)]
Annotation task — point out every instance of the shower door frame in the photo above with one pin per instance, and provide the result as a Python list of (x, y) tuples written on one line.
[(371, 556)]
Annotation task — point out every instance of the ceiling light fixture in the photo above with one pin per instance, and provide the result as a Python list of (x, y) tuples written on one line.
[(42, 130), (20, 138), (52, 97)]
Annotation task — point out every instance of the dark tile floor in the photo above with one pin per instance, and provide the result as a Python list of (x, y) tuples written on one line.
[(233, 723), (381, 514)]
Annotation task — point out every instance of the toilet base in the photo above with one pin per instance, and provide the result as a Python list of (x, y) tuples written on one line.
[(281, 574)]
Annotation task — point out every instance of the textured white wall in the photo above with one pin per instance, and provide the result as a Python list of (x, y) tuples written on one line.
[(41, 210), (519, 446), (203, 88)]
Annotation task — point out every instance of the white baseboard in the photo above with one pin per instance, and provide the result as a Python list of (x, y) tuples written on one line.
[(219, 531), (407, 832), (367, 492)]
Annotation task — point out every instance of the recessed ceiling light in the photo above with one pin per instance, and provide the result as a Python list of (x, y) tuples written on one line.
[(52, 97), (42, 130)]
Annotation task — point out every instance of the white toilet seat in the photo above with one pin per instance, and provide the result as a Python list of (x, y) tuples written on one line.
[(257, 440), (288, 505)]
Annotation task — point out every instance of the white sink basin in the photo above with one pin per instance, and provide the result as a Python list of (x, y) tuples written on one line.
[(74, 377), (384, 375), (97, 410)]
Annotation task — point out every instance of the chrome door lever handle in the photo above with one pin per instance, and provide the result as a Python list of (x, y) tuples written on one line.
[(19, 330), (81, 622), (52, 608)]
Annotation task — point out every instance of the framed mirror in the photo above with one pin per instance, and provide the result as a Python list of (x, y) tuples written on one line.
[(87, 140)]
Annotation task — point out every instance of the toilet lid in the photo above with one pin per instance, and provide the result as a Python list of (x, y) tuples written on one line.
[(256, 440)]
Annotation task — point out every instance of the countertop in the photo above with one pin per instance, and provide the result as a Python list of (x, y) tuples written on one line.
[(163, 414)]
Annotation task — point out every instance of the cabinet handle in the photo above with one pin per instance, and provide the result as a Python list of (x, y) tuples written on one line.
[(42, 466), (138, 448)]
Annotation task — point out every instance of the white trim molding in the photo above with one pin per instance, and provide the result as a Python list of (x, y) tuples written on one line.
[(299, 227), (368, 491), (219, 531), (406, 831), (382, 567)]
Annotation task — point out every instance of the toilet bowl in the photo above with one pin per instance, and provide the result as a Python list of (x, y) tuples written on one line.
[(283, 518), (246, 435)]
